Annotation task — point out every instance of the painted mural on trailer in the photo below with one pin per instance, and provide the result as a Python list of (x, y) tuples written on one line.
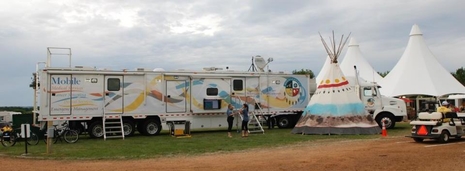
[(86, 94)]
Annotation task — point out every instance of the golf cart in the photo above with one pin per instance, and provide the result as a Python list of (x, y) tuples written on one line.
[(439, 126)]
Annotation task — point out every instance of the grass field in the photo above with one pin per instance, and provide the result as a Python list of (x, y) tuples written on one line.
[(139, 146)]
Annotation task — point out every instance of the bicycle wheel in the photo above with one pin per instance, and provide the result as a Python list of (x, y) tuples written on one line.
[(8, 139), (33, 139), (54, 139), (71, 136)]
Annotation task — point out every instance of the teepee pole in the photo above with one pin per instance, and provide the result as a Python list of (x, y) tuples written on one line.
[(326, 47)]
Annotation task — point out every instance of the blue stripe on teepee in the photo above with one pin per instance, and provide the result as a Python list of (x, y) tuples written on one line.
[(336, 109)]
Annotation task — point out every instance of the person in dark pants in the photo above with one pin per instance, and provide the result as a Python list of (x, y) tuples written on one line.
[(230, 113), (245, 120)]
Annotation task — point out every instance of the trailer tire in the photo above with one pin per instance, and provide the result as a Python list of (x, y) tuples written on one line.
[(128, 128), (284, 122), (151, 127), (96, 130), (444, 137), (389, 118)]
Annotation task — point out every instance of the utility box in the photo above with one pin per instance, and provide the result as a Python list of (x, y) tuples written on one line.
[(179, 128)]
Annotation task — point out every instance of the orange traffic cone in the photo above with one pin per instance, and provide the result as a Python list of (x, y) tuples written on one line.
[(384, 131)]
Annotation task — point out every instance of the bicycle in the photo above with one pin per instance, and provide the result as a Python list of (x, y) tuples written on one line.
[(10, 138), (69, 135)]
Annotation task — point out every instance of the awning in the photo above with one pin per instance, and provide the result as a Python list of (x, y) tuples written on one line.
[(407, 100), (457, 96)]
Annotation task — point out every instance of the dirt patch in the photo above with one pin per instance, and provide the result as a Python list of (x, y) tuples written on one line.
[(393, 153)]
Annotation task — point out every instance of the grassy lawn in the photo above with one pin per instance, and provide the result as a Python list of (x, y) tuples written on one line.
[(139, 146)]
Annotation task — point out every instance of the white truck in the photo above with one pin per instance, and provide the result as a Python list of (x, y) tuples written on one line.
[(149, 100)]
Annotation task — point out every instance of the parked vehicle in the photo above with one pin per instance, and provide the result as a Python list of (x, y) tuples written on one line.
[(149, 100), (7, 116), (9, 138), (438, 126)]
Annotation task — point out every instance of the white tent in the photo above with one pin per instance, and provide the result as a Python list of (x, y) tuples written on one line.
[(335, 107), (354, 57), (418, 72)]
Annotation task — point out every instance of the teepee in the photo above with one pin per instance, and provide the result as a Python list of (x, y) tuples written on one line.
[(335, 107)]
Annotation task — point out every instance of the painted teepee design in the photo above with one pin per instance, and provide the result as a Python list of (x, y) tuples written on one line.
[(335, 107)]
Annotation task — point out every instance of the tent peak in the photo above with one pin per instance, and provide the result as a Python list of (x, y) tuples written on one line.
[(415, 30), (353, 42)]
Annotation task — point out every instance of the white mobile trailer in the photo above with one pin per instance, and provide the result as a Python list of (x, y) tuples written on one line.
[(7, 116), (149, 100)]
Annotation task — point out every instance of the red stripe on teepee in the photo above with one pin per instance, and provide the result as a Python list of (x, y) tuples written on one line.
[(333, 85)]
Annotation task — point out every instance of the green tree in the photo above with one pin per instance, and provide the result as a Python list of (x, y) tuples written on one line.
[(460, 75), (383, 74), (33, 83), (304, 72)]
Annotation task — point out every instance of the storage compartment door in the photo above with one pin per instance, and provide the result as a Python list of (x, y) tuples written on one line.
[(60, 94), (176, 96)]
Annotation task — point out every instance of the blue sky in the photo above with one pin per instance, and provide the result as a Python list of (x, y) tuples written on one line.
[(184, 34)]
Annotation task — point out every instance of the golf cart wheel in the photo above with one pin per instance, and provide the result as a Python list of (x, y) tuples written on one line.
[(444, 137)]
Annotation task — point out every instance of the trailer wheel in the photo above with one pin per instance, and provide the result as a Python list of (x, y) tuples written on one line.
[(388, 118), (128, 127), (96, 130), (444, 137), (284, 122), (418, 139), (151, 127)]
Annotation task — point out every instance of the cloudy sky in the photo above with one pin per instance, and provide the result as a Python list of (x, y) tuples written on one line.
[(203, 33)]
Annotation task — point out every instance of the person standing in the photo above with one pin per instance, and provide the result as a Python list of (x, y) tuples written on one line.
[(230, 114), (245, 120)]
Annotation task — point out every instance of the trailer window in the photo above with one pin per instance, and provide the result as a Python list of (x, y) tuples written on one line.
[(211, 104), (212, 92), (238, 85), (113, 84)]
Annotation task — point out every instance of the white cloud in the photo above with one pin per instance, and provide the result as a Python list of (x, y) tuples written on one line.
[(196, 34)]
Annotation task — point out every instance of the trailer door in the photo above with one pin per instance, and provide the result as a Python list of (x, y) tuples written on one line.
[(114, 94), (176, 96), (60, 94)]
